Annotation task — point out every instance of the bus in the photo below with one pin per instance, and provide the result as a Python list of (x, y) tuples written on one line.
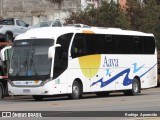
[(72, 61)]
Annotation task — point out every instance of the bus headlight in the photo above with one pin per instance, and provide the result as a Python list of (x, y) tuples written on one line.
[(44, 82)]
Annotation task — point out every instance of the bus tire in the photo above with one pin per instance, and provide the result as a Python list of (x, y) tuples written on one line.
[(135, 88), (1, 92), (38, 97), (76, 91), (102, 94)]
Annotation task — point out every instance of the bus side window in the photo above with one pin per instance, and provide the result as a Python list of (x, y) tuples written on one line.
[(78, 46), (136, 45), (108, 44), (93, 44), (149, 45), (123, 44)]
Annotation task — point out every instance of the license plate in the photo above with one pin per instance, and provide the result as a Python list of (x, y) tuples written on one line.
[(26, 90)]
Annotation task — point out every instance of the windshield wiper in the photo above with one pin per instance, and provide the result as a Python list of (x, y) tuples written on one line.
[(25, 63), (29, 72)]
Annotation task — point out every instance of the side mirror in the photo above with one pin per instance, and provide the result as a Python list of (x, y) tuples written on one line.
[(51, 51), (3, 57), (27, 25)]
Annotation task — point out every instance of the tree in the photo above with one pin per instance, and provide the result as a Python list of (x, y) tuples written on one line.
[(144, 17), (157, 1), (152, 19), (135, 14), (107, 15)]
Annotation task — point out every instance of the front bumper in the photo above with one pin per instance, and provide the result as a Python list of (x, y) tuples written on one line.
[(41, 90), (48, 89)]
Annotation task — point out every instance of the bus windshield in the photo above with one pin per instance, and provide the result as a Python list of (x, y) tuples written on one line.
[(30, 58)]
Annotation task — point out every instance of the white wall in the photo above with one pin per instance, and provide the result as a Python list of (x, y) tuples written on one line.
[(33, 11)]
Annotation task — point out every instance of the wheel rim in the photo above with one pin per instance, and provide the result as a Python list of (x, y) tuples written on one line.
[(135, 87), (76, 90)]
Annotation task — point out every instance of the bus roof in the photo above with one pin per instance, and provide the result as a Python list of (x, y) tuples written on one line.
[(54, 32)]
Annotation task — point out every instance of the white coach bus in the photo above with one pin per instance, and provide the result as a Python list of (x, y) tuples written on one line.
[(73, 61)]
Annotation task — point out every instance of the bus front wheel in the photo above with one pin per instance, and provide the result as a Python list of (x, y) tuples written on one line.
[(76, 91)]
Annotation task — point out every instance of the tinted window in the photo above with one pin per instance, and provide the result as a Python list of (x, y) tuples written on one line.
[(123, 44), (86, 44), (79, 46), (93, 44), (149, 45), (108, 44), (136, 45)]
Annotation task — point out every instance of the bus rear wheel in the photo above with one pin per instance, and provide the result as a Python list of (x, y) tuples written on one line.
[(38, 97), (76, 91), (135, 88)]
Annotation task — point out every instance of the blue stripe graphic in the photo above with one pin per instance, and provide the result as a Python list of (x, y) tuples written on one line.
[(135, 68), (127, 81)]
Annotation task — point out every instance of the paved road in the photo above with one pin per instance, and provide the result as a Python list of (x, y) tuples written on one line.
[(148, 100)]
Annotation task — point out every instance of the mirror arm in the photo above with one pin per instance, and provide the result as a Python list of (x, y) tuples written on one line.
[(3, 51)]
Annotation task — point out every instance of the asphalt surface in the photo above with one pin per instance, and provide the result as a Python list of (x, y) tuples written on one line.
[(147, 101)]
